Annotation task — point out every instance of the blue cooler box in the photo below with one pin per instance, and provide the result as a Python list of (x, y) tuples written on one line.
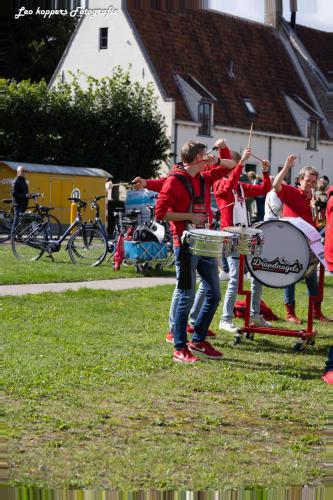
[(148, 250), (138, 200)]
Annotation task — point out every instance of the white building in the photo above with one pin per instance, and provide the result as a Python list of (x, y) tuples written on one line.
[(214, 74)]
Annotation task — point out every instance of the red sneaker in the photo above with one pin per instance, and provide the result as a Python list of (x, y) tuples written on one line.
[(210, 333), (328, 377), (205, 349), (184, 356), (169, 338)]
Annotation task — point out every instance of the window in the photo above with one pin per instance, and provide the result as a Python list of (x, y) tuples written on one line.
[(250, 167), (313, 126), (204, 117), (287, 177), (103, 38)]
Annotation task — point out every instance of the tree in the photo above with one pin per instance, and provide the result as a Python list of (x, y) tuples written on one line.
[(35, 45), (113, 124)]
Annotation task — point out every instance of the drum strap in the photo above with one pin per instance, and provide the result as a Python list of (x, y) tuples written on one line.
[(276, 214), (195, 200)]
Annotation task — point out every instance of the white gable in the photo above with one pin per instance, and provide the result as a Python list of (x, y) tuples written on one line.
[(83, 52)]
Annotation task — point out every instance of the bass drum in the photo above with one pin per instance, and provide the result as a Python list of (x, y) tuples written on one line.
[(286, 257)]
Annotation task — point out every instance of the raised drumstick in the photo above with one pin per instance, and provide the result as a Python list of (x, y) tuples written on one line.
[(256, 157), (250, 136)]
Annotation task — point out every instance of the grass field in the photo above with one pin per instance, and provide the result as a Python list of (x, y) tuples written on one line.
[(93, 399), (15, 271)]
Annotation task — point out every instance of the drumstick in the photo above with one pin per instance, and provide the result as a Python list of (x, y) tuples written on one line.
[(256, 157), (250, 136), (226, 206)]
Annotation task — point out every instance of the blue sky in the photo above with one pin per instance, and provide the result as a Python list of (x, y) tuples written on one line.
[(314, 13)]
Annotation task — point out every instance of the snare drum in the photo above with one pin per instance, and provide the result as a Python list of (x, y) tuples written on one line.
[(286, 257), (248, 240), (209, 243)]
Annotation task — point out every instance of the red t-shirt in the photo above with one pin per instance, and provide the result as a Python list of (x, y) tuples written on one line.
[(328, 247), (296, 203)]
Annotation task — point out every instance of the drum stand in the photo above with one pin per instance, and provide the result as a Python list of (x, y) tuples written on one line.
[(306, 336)]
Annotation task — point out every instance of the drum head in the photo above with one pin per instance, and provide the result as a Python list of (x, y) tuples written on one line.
[(205, 232), (285, 255), (248, 231)]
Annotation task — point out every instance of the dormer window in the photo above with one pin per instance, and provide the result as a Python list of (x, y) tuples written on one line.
[(313, 128), (103, 38), (205, 117), (249, 106)]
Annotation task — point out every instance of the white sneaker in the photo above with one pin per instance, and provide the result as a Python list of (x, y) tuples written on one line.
[(228, 326), (259, 320), (223, 276)]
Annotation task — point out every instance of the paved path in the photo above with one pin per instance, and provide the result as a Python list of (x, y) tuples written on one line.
[(115, 284)]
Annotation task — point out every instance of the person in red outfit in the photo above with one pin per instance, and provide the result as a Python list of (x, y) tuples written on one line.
[(184, 200), (226, 163), (328, 246), (328, 249), (297, 203), (231, 195)]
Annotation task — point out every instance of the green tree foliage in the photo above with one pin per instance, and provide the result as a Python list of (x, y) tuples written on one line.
[(112, 123), (36, 44)]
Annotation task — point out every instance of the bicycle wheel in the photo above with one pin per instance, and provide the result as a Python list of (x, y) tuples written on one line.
[(5, 228), (87, 246), (27, 239), (55, 227)]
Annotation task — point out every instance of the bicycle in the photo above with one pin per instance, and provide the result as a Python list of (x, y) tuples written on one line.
[(98, 223), (87, 245), (6, 221), (54, 227), (54, 224)]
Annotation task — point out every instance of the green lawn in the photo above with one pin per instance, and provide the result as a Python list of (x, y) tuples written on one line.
[(93, 399), (13, 271)]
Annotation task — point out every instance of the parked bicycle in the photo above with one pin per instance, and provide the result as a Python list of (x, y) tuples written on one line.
[(98, 223), (6, 221), (87, 245), (54, 227), (54, 224)]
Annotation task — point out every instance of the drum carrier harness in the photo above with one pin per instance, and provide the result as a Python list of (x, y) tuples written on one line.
[(197, 204)]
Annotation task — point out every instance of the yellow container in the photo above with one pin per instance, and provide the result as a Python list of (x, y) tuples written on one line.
[(57, 183)]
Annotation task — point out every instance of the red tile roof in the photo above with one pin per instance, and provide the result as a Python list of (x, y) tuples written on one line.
[(202, 43), (319, 44)]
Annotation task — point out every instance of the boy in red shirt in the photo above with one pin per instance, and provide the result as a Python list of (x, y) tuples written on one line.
[(226, 163), (297, 203), (183, 206)]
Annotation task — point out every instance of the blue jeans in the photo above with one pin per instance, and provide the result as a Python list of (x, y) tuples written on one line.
[(232, 289), (225, 266), (207, 268), (175, 295), (311, 284)]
